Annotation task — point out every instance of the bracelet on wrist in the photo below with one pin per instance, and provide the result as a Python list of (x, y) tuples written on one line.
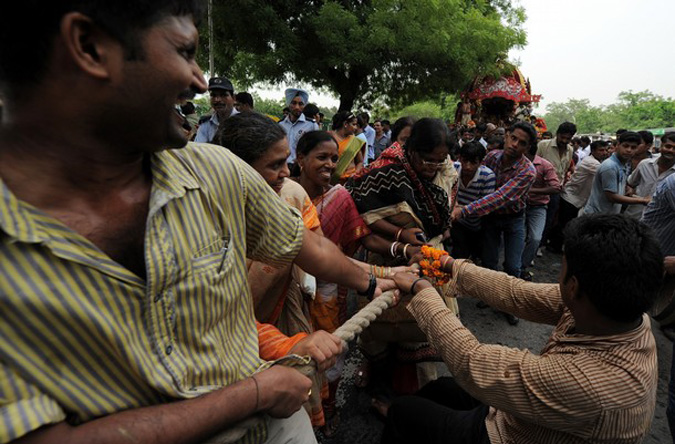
[(392, 250), (412, 287), (257, 393), (372, 286), (405, 248), (398, 233)]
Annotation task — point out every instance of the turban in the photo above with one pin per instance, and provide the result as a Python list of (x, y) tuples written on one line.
[(292, 93)]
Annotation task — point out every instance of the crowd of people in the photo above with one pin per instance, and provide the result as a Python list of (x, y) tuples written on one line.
[(164, 274)]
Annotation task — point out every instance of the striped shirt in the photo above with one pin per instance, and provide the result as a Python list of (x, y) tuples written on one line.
[(512, 183), (660, 215), (580, 389), (83, 337), (481, 185), (644, 179)]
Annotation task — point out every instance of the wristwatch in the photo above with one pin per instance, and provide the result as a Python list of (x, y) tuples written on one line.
[(372, 285)]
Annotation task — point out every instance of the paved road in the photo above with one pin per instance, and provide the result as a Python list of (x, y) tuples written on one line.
[(360, 426)]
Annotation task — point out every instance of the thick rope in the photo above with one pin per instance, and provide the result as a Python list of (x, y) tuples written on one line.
[(347, 332)]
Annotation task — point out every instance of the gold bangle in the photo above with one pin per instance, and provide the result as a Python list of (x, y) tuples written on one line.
[(405, 248), (398, 233)]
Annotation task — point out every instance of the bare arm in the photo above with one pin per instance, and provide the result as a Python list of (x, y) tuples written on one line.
[(322, 258), (620, 199), (282, 391), (389, 230)]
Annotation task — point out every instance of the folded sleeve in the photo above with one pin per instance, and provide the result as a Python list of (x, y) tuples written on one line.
[(23, 407)]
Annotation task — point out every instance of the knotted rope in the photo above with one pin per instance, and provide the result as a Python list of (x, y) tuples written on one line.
[(347, 332)]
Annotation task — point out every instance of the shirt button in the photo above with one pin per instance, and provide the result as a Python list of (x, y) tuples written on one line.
[(507, 374), (169, 349)]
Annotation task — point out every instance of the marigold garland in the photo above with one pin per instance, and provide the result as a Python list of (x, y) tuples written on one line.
[(431, 265)]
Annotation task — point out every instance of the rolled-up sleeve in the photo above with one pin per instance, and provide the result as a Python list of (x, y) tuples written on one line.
[(23, 408)]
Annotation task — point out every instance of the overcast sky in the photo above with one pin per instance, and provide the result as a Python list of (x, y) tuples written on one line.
[(590, 49), (595, 49)]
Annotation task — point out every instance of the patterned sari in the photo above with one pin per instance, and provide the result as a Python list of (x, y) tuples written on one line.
[(389, 186), (390, 189), (348, 148), (342, 224), (282, 297)]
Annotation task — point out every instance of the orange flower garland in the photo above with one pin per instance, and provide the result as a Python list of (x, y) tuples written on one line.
[(431, 265)]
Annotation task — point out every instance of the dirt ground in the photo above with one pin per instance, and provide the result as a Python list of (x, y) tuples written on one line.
[(359, 425)]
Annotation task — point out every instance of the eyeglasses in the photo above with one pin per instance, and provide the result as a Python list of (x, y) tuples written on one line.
[(426, 163)]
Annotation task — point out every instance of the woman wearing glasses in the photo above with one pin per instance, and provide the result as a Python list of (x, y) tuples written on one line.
[(406, 196)]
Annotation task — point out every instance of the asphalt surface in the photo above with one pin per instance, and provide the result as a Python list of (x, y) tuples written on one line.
[(360, 425)]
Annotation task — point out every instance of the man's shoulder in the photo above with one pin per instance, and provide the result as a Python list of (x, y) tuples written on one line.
[(204, 161), (546, 164), (486, 172)]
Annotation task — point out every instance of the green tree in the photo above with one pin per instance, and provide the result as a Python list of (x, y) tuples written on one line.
[(398, 50), (632, 110)]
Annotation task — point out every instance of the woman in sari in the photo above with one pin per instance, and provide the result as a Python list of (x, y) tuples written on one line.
[(407, 196), (281, 295), (317, 157), (351, 149)]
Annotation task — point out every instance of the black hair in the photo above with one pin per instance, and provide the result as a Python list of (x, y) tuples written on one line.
[(599, 144), (204, 118), (340, 118), (401, 124), (244, 98), (617, 263), (386, 122), (668, 136), (646, 136), (311, 140), (620, 131), (124, 20), (310, 110), (360, 121), (528, 128), (249, 135), (481, 128), (567, 128), (473, 152), (547, 133), (365, 116), (630, 136), (496, 140), (188, 108), (427, 134), (585, 140)]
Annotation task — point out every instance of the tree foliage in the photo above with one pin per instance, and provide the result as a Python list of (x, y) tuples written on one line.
[(363, 50), (633, 110)]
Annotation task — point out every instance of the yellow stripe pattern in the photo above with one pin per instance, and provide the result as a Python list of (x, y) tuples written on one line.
[(83, 337)]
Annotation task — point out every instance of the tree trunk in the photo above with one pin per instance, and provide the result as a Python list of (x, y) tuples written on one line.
[(346, 101)]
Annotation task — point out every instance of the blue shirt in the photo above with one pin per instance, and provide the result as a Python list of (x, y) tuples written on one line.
[(207, 130), (295, 130), (482, 184), (369, 131), (660, 215), (611, 176)]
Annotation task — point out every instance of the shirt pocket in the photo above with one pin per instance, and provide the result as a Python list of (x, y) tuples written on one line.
[(215, 257)]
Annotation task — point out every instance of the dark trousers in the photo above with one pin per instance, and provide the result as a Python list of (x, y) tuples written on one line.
[(442, 412), (551, 217), (466, 243), (566, 213)]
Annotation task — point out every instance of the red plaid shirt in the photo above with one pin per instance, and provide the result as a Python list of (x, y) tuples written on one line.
[(513, 183)]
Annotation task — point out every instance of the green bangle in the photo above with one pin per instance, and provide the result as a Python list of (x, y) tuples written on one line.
[(412, 287)]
